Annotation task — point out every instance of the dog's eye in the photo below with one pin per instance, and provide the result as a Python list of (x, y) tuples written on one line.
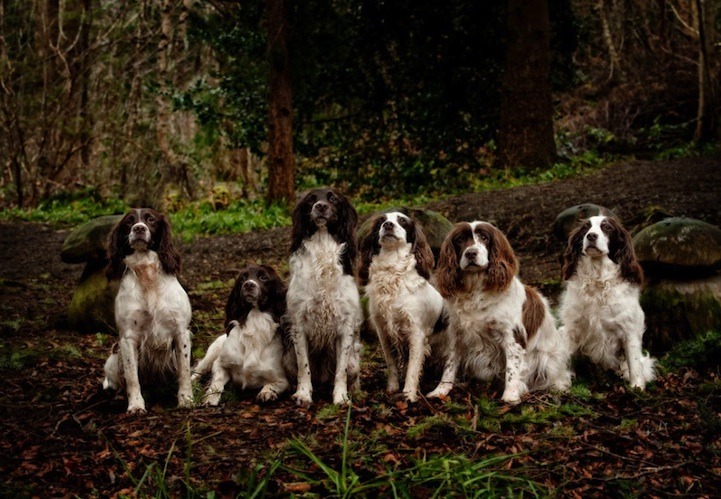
[(332, 198), (312, 199), (243, 278), (404, 222), (263, 277), (483, 237), (150, 219)]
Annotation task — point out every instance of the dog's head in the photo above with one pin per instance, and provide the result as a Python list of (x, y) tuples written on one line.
[(141, 229)]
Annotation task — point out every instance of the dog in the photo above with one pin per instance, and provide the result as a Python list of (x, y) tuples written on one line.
[(324, 310), (600, 309), (250, 353), (404, 308), (152, 310), (499, 328)]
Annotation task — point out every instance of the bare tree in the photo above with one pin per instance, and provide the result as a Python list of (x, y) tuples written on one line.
[(281, 160), (525, 132), (707, 118)]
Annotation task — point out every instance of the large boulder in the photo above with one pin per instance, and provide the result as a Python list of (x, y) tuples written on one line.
[(682, 298), (435, 226), (679, 247), (92, 307), (87, 241), (574, 216)]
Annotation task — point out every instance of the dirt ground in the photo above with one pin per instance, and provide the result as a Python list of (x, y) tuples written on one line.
[(60, 437)]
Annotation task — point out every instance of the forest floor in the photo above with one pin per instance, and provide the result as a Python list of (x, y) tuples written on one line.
[(59, 436)]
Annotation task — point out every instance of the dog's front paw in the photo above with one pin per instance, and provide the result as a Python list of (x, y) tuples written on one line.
[(302, 398), (442, 390), (136, 408), (267, 395), (185, 402), (511, 396), (340, 396)]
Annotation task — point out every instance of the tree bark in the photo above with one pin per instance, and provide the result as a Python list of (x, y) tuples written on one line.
[(707, 119), (525, 132), (281, 161)]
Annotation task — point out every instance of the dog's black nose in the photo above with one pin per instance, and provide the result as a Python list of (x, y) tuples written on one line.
[(321, 206), (250, 285), (471, 254), (387, 225), (592, 236), (140, 229)]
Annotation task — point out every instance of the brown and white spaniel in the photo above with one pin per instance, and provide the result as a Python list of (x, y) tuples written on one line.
[(498, 327), (600, 309), (396, 264), (323, 302), (250, 353), (152, 310)]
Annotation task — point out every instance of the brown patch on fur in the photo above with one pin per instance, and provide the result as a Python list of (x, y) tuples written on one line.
[(520, 336), (534, 311), (448, 273)]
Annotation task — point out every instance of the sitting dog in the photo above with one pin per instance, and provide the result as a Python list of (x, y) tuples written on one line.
[(250, 354), (600, 309), (396, 263), (323, 302), (499, 328), (152, 310)]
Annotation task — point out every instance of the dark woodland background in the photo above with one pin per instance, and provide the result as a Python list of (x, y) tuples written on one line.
[(159, 102)]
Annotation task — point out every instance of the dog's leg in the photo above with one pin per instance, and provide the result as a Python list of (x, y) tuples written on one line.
[(182, 354), (220, 378), (343, 352), (450, 370), (271, 390), (129, 356), (112, 379), (514, 346), (206, 365), (634, 358), (416, 355), (392, 385), (304, 393)]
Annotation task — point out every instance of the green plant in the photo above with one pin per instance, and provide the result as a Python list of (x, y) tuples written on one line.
[(699, 352), (344, 482)]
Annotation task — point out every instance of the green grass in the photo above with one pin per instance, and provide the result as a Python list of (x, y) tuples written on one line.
[(700, 352), (12, 359)]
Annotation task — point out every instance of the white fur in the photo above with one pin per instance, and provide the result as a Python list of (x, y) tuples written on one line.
[(602, 317), (482, 343), (250, 356), (152, 313), (325, 313), (403, 307)]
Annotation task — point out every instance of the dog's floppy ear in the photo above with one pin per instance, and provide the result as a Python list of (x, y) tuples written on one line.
[(169, 257), (422, 252), (502, 263), (118, 247), (276, 293), (302, 227), (345, 232), (235, 308), (622, 253), (448, 273), (370, 246), (573, 250)]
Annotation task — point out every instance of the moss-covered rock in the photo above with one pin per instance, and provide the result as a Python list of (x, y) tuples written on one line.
[(572, 217), (677, 311), (92, 307), (679, 247), (435, 226), (87, 241)]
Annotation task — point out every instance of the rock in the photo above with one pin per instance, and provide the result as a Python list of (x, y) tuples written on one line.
[(572, 217), (87, 242), (435, 226), (92, 307), (677, 311), (682, 298), (679, 247)]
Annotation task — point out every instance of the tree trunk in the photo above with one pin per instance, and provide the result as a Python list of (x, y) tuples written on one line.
[(707, 120), (163, 124), (525, 131), (281, 161)]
